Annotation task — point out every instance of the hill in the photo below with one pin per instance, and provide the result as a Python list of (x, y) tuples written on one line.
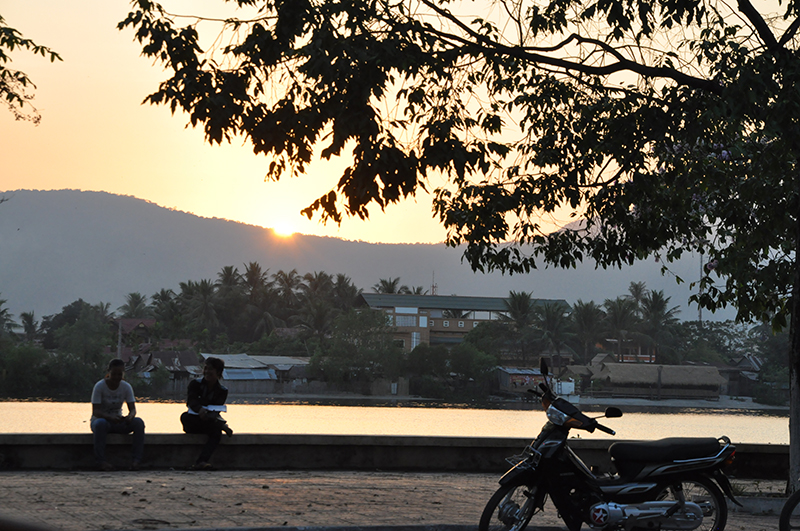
[(58, 246)]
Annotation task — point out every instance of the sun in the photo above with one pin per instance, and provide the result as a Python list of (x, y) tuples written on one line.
[(283, 229)]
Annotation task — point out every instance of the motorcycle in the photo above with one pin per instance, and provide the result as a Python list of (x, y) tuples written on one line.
[(667, 484)]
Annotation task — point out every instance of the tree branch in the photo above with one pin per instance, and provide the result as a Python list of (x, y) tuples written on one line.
[(758, 22), (790, 32), (621, 65)]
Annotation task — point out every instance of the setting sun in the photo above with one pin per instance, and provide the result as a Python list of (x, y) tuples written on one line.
[(283, 229)]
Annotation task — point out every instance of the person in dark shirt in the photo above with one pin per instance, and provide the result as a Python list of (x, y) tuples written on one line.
[(202, 417)]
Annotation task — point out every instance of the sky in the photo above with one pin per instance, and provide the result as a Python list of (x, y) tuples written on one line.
[(95, 135)]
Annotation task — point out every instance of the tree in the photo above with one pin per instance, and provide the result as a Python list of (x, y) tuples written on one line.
[(520, 313), (663, 127), (659, 321), (588, 323), (86, 338), (7, 323), (30, 327), (637, 291), (390, 285), (288, 286), (135, 306), (360, 350), (15, 85), (621, 320), (553, 325), (345, 293)]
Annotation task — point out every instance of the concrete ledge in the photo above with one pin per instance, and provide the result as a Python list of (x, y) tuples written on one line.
[(333, 452)]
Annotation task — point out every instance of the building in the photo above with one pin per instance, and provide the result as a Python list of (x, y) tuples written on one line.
[(645, 380), (244, 375), (437, 319)]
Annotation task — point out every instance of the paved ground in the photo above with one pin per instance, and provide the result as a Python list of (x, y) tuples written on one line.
[(94, 501)]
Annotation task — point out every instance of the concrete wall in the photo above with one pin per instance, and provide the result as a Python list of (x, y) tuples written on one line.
[(282, 452)]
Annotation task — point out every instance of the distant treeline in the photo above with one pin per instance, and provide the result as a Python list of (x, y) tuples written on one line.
[(240, 311)]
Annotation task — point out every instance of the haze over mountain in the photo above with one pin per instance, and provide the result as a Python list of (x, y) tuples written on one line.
[(58, 246)]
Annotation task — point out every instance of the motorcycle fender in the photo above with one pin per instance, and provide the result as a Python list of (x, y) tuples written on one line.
[(725, 484), (527, 475)]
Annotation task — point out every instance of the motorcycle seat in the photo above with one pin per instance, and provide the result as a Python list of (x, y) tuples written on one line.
[(669, 449)]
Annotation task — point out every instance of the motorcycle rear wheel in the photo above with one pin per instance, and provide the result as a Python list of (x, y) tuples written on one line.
[(708, 496), (509, 509)]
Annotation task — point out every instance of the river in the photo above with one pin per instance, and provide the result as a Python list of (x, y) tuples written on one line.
[(741, 426)]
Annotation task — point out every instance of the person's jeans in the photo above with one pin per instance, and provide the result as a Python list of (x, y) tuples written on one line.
[(208, 426), (102, 427)]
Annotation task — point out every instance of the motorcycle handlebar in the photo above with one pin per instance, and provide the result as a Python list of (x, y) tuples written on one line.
[(607, 430)]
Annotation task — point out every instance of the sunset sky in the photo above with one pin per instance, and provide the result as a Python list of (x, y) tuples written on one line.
[(95, 135)]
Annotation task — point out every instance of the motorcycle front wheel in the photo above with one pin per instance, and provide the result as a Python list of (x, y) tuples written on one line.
[(706, 494), (509, 509)]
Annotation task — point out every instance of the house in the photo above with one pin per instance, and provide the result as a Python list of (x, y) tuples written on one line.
[(742, 376), (437, 319), (245, 375), (286, 368), (518, 379), (134, 333), (645, 380)]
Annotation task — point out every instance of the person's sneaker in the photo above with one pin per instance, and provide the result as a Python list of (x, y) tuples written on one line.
[(202, 466), (105, 466), (136, 465)]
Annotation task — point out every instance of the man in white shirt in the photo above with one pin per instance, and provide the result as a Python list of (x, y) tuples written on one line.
[(108, 396)]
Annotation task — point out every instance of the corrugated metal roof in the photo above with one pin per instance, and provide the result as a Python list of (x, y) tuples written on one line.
[(280, 360), (443, 302), (249, 374), (236, 361), (520, 370)]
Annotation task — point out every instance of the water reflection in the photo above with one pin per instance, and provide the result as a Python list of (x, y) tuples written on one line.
[(406, 418)]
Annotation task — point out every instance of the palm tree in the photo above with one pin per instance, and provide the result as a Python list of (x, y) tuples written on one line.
[(256, 282), (261, 318), (621, 320), (198, 304), (637, 291), (659, 322), (587, 320), (345, 293), (317, 285), (230, 302), (288, 286), (520, 315), (135, 306), (103, 313), (388, 286), (553, 324), (316, 315), (30, 327), (519, 309), (228, 279), (7, 323), (166, 308)]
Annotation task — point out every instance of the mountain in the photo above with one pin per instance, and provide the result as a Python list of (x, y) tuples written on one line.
[(59, 246)]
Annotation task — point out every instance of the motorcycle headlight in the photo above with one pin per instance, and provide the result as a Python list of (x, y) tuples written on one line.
[(559, 418)]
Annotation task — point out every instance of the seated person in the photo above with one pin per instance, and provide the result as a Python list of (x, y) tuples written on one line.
[(202, 417), (108, 396)]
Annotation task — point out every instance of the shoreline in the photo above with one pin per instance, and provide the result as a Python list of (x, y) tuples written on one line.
[(589, 404)]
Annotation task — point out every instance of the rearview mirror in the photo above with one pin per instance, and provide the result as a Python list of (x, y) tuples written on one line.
[(613, 412), (543, 367)]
